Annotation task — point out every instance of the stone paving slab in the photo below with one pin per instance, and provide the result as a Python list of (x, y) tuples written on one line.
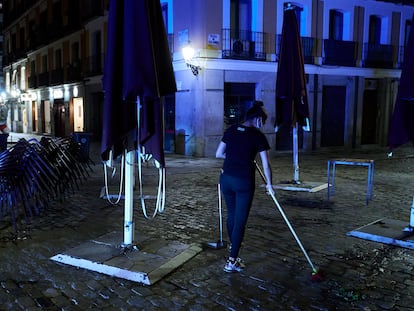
[(387, 231), (147, 263), (306, 186)]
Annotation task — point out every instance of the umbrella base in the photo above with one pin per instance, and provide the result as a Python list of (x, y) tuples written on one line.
[(216, 245), (147, 264), (386, 231)]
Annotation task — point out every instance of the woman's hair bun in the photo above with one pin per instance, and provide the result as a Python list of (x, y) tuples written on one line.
[(258, 103), (256, 110)]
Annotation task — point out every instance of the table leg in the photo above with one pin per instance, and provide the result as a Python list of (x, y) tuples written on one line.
[(329, 177)]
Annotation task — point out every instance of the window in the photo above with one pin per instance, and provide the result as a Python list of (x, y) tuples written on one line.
[(32, 34), (22, 37), (43, 22), (75, 51), (374, 35), (57, 14), (164, 8), (336, 25), (33, 68), (408, 27), (238, 98), (58, 59), (13, 43), (241, 14), (96, 51), (44, 63)]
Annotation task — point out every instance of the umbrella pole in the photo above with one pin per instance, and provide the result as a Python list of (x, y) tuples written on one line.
[(129, 195), (129, 227), (295, 155)]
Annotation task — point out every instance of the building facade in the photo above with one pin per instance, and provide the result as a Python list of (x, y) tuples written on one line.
[(53, 64), (353, 50)]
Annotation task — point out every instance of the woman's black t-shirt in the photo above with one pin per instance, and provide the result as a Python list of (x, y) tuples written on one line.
[(243, 143)]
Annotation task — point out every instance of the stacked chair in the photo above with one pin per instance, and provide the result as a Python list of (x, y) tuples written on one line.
[(35, 172)]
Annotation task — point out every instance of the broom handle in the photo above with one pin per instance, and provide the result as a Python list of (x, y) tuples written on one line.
[(287, 222), (219, 208)]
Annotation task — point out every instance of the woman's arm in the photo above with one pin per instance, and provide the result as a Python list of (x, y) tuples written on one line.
[(221, 150), (264, 156)]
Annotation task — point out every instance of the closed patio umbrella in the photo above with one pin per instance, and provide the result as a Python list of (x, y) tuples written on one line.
[(138, 73), (291, 95), (402, 125)]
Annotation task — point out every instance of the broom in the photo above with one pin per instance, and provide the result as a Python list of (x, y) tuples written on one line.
[(316, 273)]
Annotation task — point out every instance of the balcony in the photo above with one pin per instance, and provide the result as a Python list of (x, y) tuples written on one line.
[(10, 14), (44, 79), (74, 71), (32, 81), (339, 53), (307, 48), (57, 76), (243, 44), (93, 65), (378, 55)]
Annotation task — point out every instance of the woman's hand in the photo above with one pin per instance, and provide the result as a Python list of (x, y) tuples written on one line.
[(270, 190)]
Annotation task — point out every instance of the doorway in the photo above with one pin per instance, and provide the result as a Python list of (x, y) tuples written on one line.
[(34, 117), (333, 115), (369, 117), (169, 123), (78, 118), (238, 98), (59, 114)]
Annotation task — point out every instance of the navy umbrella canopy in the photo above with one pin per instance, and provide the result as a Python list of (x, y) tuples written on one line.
[(137, 65), (291, 95), (402, 125)]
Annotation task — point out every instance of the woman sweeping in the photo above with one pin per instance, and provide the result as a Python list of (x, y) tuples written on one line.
[(239, 147)]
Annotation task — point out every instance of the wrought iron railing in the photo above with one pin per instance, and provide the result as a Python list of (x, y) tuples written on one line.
[(339, 53), (43, 79), (378, 55), (57, 76), (308, 44), (244, 44), (32, 81), (93, 65)]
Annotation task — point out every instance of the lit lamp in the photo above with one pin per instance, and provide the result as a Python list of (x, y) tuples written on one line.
[(188, 54)]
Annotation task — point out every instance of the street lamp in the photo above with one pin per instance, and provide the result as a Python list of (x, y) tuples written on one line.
[(188, 54)]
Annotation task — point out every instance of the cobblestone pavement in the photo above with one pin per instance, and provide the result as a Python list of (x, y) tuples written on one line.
[(358, 274)]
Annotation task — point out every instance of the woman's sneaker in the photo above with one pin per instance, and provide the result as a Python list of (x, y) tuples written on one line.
[(233, 266), (241, 263)]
